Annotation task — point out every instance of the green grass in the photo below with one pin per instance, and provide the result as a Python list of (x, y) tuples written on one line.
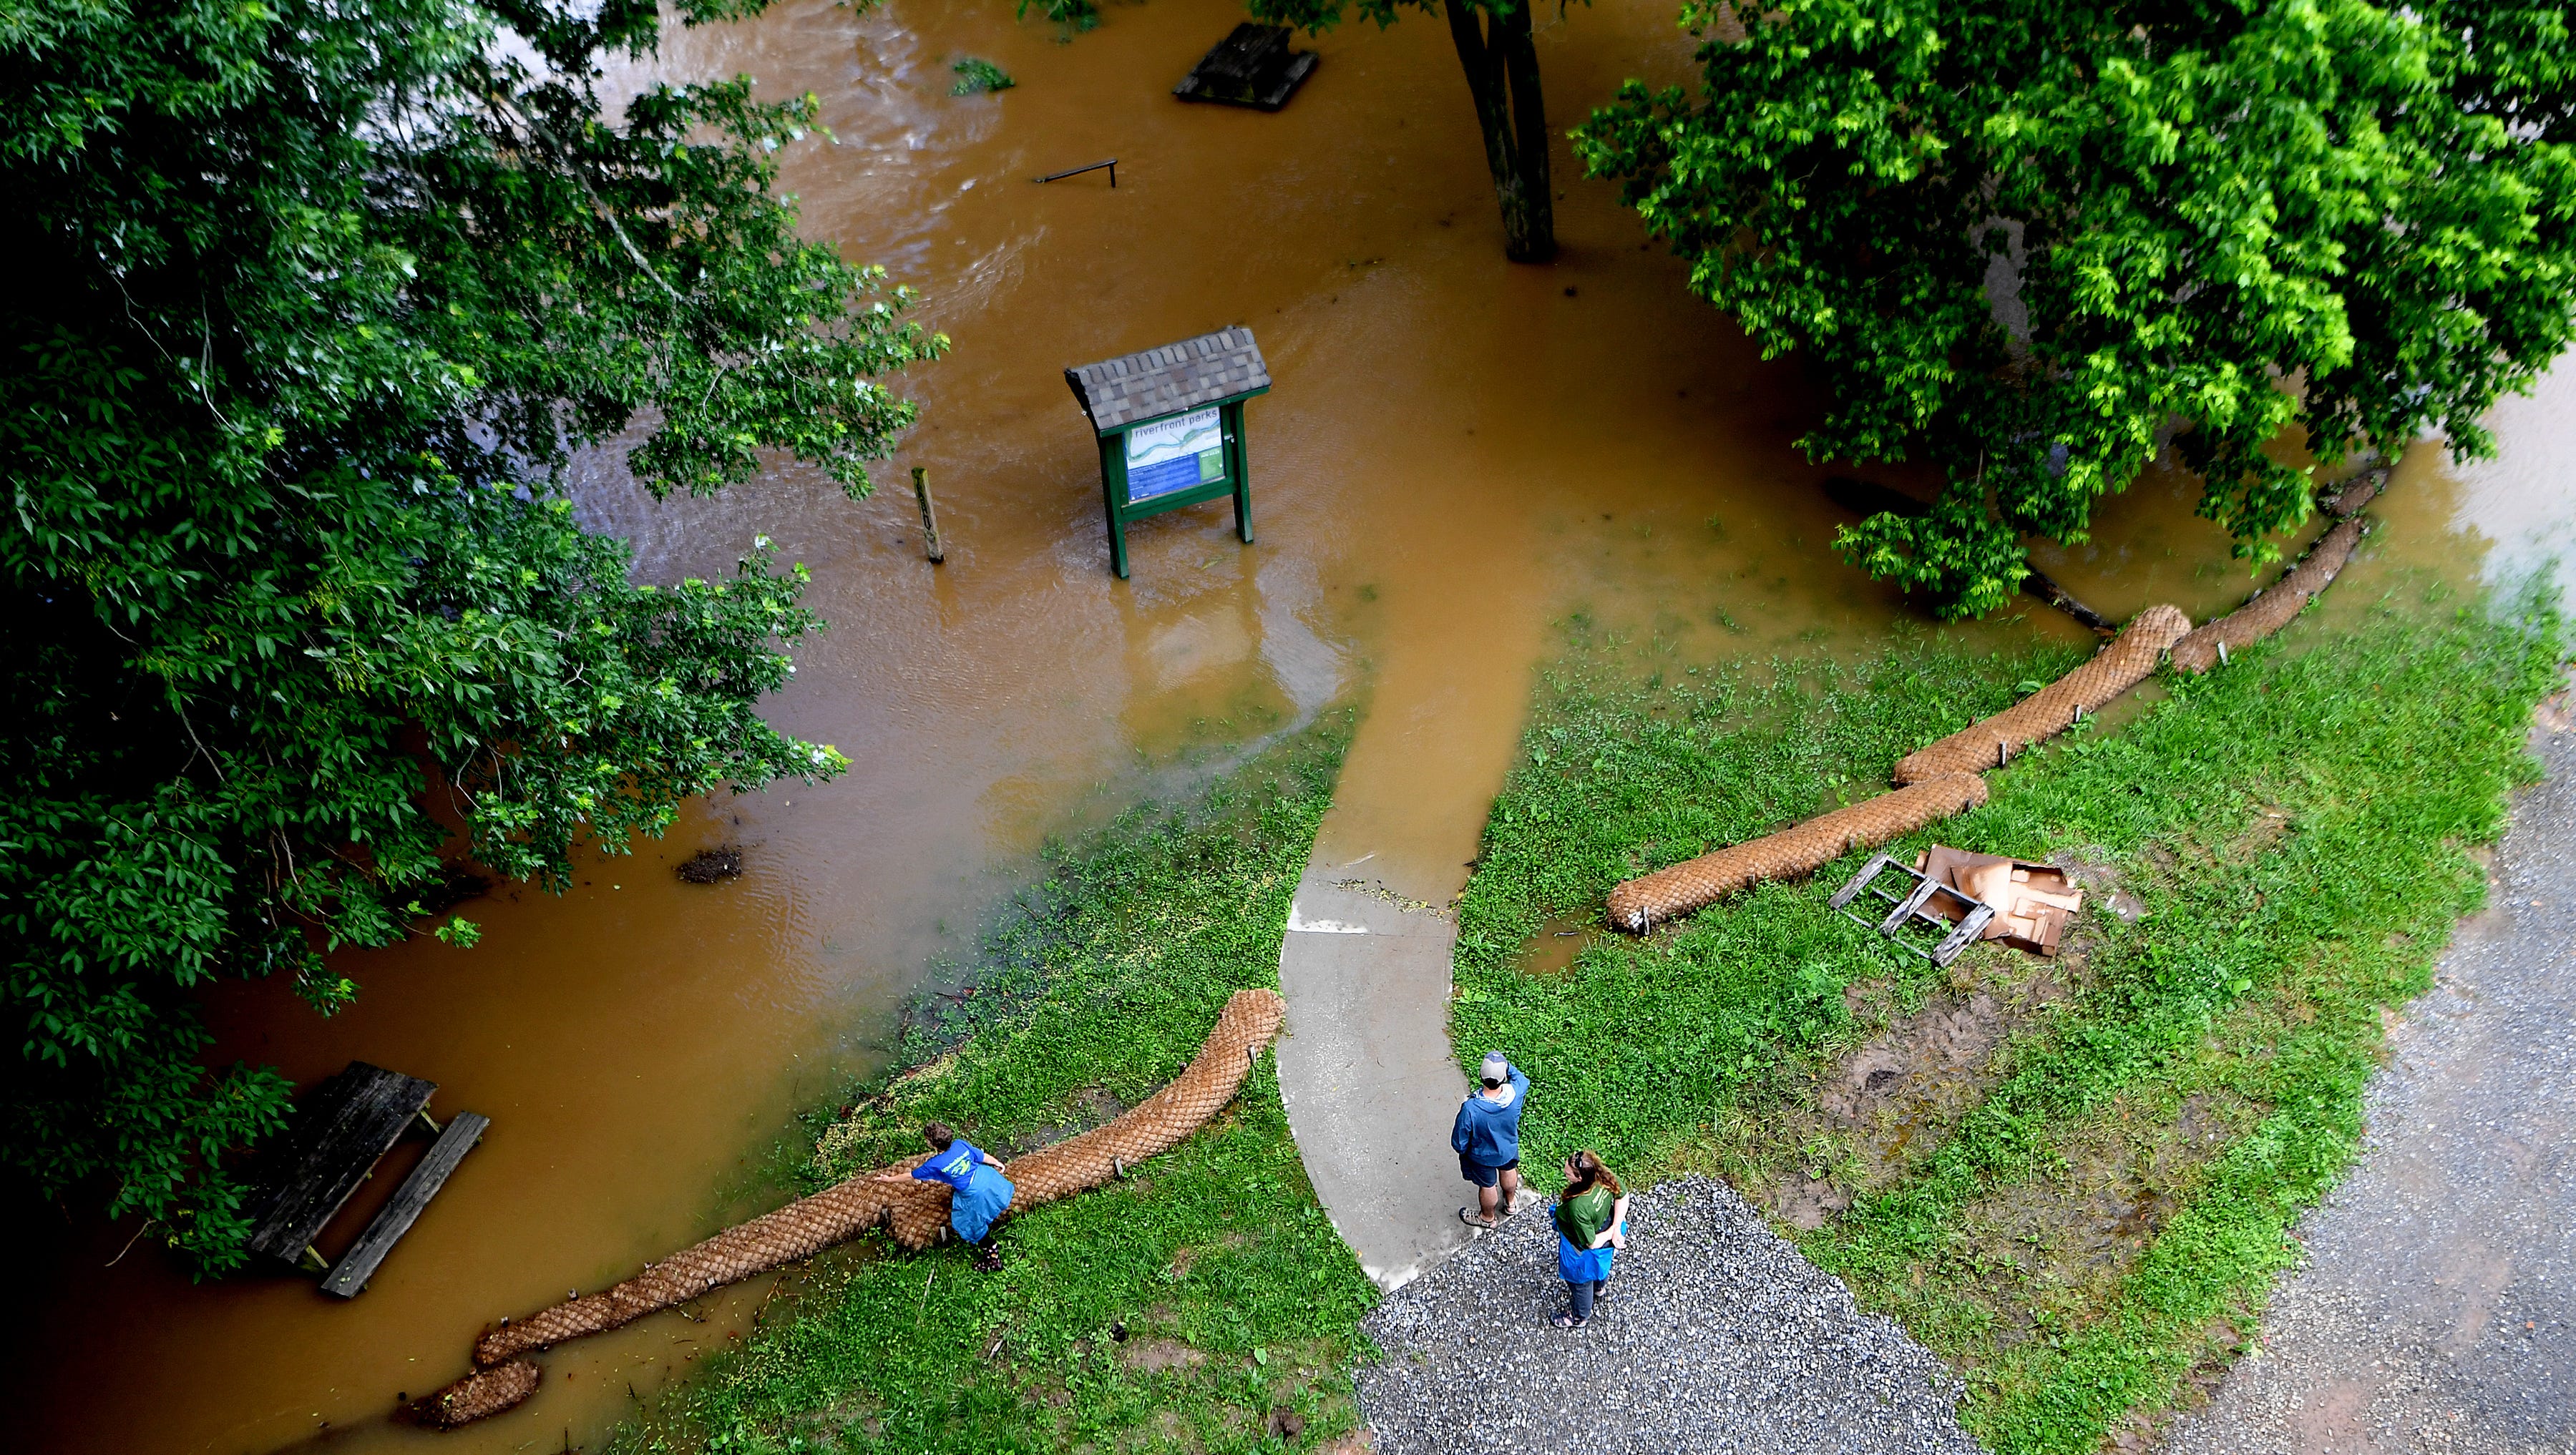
[(1098, 986), (2097, 1209)]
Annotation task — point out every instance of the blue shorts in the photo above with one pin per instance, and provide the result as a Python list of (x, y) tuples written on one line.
[(1482, 1175)]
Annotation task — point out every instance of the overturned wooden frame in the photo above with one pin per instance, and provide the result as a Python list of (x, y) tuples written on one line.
[(1913, 909)]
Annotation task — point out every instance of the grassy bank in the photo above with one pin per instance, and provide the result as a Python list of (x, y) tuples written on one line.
[(1239, 1306), (2072, 1178)]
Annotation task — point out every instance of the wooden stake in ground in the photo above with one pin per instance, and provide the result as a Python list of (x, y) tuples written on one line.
[(929, 515)]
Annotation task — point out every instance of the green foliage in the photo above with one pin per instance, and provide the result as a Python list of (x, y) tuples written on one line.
[(2355, 219), (975, 76), (2254, 981), (1073, 15), (1101, 982), (328, 294)]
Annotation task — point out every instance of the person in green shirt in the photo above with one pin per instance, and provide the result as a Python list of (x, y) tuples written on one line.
[(1591, 1226)]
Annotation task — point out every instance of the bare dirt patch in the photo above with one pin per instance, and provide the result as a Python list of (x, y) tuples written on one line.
[(1890, 1102), (1154, 1356), (2055, 1245), (2103, 892), (2269, 827)]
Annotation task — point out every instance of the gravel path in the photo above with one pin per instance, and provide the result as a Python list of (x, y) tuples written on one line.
[(1714, 1335), (2437, 1308)]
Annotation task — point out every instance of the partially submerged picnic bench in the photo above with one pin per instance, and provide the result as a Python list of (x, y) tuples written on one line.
[(343, 1127), (1253, 66)]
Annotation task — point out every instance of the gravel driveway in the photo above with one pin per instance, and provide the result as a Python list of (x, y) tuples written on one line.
[(2437, 1308), (1714, 1335)]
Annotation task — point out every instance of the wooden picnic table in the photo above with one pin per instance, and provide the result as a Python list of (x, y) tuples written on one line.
[(342, 1128)]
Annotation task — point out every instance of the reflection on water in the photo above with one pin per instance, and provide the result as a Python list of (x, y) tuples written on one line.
[(2520, 507), (1458, 451)]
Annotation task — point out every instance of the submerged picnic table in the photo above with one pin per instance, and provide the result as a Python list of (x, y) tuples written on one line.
[(342, 1128)]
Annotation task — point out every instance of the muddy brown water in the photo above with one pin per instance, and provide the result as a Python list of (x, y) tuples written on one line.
[(1458, 451)]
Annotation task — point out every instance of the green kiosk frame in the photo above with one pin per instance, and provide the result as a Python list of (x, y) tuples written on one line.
[(1169, 423)]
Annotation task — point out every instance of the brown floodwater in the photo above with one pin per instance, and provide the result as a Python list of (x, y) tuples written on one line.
[(1458, 452)]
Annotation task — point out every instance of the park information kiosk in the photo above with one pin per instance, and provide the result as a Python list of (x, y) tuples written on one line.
[(1170, 425)]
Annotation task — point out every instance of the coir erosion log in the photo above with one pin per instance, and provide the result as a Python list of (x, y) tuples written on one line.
[(915, 1213), (1640, 904)]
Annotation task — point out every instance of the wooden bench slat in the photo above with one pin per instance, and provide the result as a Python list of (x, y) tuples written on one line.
[(344, 1126), (359, 1263)]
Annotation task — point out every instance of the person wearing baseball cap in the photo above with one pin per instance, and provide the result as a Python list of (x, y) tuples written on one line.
[(1487, 1139)]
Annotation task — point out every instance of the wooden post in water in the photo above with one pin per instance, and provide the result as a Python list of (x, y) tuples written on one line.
[(929, 515)]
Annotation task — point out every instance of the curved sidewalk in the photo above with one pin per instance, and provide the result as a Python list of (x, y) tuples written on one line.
[(1366, 1071)]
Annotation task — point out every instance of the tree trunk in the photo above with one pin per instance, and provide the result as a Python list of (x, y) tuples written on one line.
[(1502, 76)]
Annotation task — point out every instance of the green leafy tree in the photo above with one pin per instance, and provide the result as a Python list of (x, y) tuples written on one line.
[(313, 301), (2034, 242), (1494, 47)]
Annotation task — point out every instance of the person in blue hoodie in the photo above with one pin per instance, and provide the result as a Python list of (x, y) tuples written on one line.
[(978, 1192), (1487, 1139)]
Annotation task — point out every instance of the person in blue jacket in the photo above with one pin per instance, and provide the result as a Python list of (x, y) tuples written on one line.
[(978, 1192), (1487, 1139)]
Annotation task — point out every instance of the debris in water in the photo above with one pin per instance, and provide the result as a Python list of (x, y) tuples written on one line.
[(451, 886), (1252, 66), (712, 866), (975, 76)]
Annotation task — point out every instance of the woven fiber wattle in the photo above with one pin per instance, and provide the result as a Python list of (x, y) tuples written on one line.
[(484, 1392), (915, 1213), (1988, 742), (799, 1230), (1158, 1123), (2277, 605), (1669, 893)]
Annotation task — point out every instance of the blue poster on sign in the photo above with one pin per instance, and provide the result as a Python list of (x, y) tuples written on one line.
[(1169, 455)]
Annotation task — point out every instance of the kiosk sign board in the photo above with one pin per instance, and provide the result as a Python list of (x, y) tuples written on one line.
[(1170, 427), (1182, 452)]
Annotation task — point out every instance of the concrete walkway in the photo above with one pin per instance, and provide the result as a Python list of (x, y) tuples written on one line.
[(2437, 1309), (1366, 1071)]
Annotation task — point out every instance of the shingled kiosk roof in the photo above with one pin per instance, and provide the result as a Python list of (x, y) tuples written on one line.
[(1119, 392)]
